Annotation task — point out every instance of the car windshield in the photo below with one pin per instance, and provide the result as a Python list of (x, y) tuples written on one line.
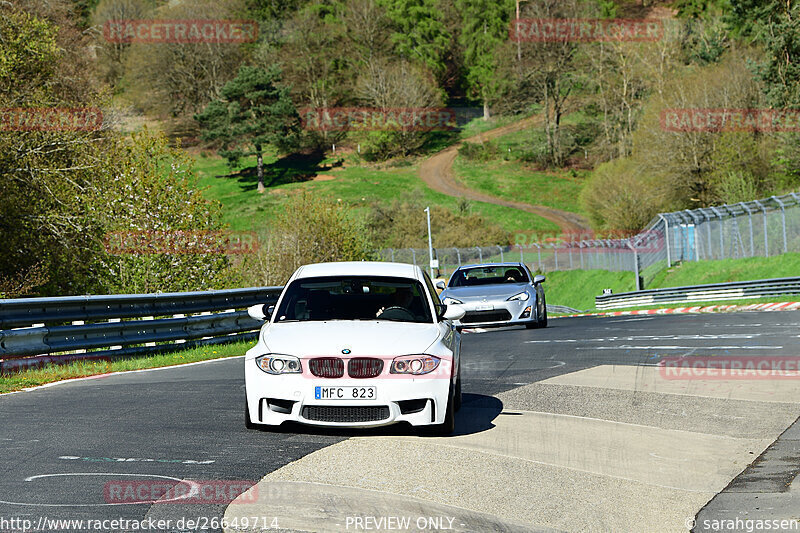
[(488, 275), (354, 298)]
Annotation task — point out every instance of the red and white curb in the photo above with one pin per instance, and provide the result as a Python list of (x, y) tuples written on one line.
[(778, 306)]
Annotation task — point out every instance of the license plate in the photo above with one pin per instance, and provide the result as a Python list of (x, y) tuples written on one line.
[(345, 393), (486, 307)]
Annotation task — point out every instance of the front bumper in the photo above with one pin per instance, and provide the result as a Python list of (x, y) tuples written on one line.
[(497, 313), (273, 400)]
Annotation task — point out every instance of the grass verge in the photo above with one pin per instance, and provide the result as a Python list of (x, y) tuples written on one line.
[(359, 186), (577, 288), (50, 374)]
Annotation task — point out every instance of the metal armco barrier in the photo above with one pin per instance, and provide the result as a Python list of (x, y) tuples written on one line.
[(47, 328), (700, 293)]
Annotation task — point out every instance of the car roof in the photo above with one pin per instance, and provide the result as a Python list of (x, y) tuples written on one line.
[(360, 268), (477, 265)]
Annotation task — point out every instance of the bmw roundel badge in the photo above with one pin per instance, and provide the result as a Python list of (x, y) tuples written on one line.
[(346, 351)]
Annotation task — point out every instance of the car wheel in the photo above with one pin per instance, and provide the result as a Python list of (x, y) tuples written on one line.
[(449, 424), (543, 316), (457, 397), (247, 422)]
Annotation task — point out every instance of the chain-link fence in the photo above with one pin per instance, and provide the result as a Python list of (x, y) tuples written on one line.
[(759, 228)]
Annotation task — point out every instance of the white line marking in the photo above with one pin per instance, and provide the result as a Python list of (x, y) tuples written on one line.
[(193, 491)]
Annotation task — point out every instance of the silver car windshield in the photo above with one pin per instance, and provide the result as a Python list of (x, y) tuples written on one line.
[(354, 298), (488, 275)]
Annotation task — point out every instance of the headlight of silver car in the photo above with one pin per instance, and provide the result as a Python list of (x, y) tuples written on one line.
[(521, 297), (273, 363), (448, 301)]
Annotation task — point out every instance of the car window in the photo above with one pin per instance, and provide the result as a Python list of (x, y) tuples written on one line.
[(354, 298), (489, 275), (437, 303)]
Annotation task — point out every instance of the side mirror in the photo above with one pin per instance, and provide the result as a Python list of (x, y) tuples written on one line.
[(260, 311), (539, 278), (453, 312), (441, 285)]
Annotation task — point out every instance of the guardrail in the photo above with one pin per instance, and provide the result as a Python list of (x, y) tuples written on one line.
[(737, 290), (39, 331)]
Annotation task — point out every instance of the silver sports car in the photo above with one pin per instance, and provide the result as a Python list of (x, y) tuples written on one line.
[(496, 294)]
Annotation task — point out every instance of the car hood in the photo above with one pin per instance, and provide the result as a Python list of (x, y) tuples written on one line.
[(486, 291), (365, 338)]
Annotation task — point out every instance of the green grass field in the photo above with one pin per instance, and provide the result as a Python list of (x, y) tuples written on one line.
[(508, 177), (511, 180), (358, 186)]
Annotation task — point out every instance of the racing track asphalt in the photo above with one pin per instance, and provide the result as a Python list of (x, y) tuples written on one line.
[(186, 422)]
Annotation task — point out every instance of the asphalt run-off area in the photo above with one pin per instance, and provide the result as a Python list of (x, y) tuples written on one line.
[(570, 428)]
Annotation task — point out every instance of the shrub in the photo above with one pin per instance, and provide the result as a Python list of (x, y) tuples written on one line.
[(309, 229)]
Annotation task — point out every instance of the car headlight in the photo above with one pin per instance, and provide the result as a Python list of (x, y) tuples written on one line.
[(273, 363), (521, 297), (414, 364), (449, 301)]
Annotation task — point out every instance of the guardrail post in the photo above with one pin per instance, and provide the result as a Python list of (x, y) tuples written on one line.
[(569, 245), (666, 238), (697, 235), (750, 219), (635, 265), (766, 237), (783, 217), (721, 232)]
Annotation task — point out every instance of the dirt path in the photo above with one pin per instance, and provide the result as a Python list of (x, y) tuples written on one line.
[(437, 172)]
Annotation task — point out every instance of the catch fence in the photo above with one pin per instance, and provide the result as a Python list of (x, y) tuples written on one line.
[(760, 228)]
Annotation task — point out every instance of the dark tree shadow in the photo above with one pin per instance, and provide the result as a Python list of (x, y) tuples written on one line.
[(292, 168)]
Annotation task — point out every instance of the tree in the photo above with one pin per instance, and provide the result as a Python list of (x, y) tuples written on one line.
[(316, 63), (179, 79), (387, 85), (309, 229), (485, 27), (255, 111), (112, 55), (552, 68), (420, 35)]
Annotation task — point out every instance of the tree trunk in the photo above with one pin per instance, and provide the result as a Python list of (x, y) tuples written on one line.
[(486, 115), (260, 157)]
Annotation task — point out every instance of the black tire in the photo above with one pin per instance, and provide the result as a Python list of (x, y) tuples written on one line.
[(247, 422), (449, 424), (543, 316), (457, 396)]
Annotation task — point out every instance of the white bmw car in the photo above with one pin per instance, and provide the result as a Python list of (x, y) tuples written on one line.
[(355, 344)]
